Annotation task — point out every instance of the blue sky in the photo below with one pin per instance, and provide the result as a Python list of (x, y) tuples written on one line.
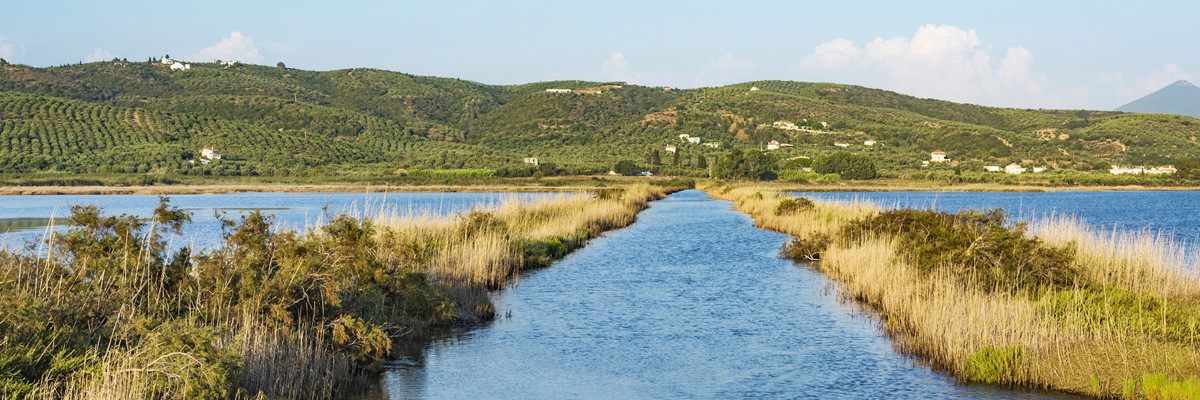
[(1029, 54)]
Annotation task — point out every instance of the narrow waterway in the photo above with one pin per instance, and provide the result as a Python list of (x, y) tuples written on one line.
[(689, 302)]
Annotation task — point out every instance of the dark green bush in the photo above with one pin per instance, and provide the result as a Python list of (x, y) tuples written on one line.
[(794, 205), (978, 247)]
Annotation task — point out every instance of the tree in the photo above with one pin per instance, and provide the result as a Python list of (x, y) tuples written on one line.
[(702, 162), (1187, 169), (751, 164), (675, 162), (280, 65), (625, 167), (653, 158), (849, 166)]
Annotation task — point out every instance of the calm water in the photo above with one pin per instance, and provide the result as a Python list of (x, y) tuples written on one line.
[(26, 217), (689, 302), (1177, 212)]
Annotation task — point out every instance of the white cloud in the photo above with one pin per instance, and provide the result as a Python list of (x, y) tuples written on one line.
[(616, 68), (235, 47), (98, 55), (940, 61), (7, 48), (723, 71), (1154, 81)]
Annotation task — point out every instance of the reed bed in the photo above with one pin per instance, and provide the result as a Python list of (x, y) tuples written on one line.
[(1120, 319), (109, 311)]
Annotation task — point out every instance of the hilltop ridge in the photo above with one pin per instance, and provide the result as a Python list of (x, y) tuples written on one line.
[(144, 117), (1180, 97)]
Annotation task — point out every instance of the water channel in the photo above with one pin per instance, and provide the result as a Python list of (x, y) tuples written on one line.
[(691, 301)]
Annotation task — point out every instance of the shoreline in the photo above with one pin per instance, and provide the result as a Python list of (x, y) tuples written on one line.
[(222, 188), (276, 188)]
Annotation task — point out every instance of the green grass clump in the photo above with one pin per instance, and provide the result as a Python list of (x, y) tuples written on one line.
[(1162, 387), (1114, 310), (995, 364)]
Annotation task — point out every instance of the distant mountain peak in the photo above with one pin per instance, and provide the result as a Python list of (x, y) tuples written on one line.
[(1181, 98)]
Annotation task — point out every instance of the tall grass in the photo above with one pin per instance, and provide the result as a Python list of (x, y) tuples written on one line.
[(110, 312), (1125, 323)]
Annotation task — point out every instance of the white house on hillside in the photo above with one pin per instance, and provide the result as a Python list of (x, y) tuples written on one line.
[(178, 66), (713, 144), (937, 156), (695, 140), (558, 90), (841, 144), (992, 168), (785, 125), (1014, 169), (208, 154), (531, 160), (772, 145), (868, 143), (671, 148)]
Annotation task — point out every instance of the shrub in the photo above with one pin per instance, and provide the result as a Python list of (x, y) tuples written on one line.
[(979, 247), (793, 205)]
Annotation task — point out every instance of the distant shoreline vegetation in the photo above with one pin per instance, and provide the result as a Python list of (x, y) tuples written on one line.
[(122, 122)]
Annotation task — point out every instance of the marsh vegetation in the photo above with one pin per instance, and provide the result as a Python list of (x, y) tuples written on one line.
[(111, 311), (1051, 304)]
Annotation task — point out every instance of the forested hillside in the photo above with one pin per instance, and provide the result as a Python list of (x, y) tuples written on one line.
[(144, 117)]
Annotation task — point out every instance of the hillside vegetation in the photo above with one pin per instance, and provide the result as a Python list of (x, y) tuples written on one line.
[(141, 117)]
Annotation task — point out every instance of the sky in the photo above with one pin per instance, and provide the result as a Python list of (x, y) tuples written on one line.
[(1016, 53)]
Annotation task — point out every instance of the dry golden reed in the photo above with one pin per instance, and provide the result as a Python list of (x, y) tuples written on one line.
[(1126, 329)]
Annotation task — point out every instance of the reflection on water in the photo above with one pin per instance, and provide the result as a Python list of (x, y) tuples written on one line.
[(27, 224), (691, 301)]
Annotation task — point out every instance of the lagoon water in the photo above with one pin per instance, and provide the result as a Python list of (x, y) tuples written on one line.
[(25, 218), (1176, 212), (691, 301)]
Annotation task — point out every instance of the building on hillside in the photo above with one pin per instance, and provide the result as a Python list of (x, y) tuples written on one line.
[(992, 168), (1039, 169), (786, 145), (208, 154), (165, 61), (785, 125), (1166, 169), (772, 145), (715, 145), (531, 160), (868, 142), (754, 88), (937, 156), (178, 66), (558, 90), (666, 88), (229, 63), (841, 144), (1115, 170), (671, 148), (695, 140), (1014, 169)]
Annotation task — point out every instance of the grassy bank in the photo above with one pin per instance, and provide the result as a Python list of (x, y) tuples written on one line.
[(110, 311), (1054, 304)]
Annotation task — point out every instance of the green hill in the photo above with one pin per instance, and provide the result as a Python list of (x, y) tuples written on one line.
[(141, 117)]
